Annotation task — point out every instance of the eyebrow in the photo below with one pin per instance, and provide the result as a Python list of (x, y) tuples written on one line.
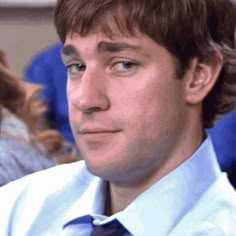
[(69, 51), (114, 47)]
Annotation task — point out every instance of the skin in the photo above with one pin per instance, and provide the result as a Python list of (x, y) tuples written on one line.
[(132, 119)]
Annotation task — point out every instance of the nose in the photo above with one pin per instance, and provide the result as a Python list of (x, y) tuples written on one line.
[(89, 93)]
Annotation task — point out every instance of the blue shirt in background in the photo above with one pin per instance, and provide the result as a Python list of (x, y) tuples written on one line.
[(224, 140)]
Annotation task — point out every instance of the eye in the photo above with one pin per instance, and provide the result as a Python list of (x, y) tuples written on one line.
[(75, 68), (124, 65)]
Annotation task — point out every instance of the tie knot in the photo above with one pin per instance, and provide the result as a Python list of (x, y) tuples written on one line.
[(114, 228)]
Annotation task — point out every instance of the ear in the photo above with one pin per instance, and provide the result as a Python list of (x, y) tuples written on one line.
[(201, 77)]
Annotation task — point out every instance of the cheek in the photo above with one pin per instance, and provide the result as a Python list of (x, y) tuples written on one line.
[(156, 111)]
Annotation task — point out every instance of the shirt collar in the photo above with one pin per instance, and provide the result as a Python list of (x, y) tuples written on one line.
[(90, 203), (162, 206)]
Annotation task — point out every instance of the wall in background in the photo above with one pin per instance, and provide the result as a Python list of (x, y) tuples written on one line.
[(27, 3), (24, 32)]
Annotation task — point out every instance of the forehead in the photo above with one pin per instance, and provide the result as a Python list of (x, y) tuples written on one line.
[(101, 43), (109, 32)]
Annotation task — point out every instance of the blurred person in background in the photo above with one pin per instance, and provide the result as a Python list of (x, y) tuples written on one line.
[(223, 136), (46, 68), (27, 145)]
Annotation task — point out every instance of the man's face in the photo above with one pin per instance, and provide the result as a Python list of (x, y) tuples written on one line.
[(126, 107)]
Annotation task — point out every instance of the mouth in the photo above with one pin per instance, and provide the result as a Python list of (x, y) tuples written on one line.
[(98, 137), (86, 130), (97, 133)]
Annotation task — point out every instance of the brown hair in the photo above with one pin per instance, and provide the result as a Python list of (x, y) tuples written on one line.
[(12, 100), (186, 28), (22, 100)]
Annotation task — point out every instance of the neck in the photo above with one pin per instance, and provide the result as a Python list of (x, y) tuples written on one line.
[(121, 195), (117, 199)]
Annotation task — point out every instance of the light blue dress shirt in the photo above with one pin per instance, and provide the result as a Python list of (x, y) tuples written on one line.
[(195, 199)]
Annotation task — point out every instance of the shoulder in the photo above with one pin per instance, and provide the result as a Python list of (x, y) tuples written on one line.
[(221, 204), (47, 181), (42, 185), (214, 214), (50, 192)]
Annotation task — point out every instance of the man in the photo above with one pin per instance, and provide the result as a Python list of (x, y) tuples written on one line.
[(144, 80)]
